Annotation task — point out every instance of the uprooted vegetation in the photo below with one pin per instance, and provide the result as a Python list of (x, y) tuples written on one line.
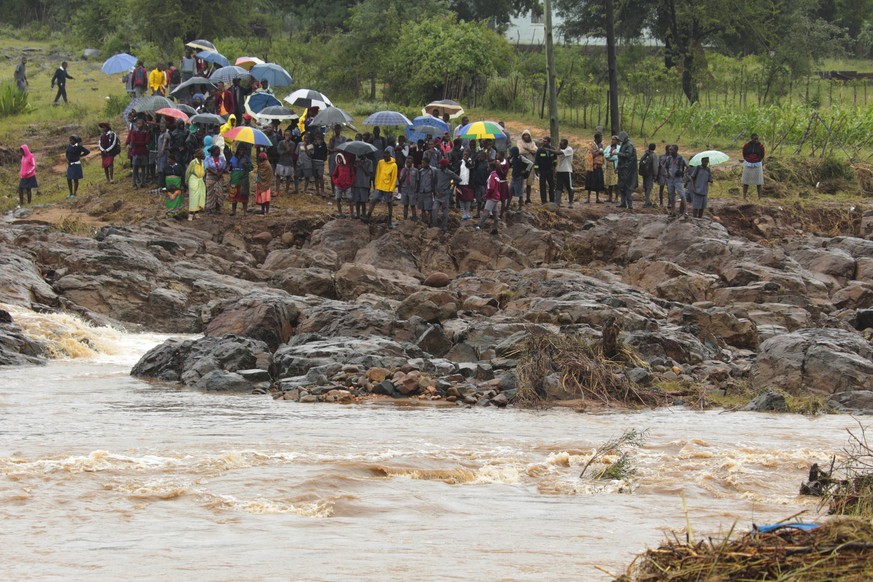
[(566, 367), (846, 488), (838, 550)]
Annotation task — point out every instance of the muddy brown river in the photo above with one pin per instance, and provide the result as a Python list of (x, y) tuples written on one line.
[(103, 476)]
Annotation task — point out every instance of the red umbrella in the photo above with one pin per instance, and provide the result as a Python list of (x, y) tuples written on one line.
[(174, 113)]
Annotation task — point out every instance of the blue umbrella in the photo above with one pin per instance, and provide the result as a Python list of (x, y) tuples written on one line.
[(275, 75), (258, 101), (424, 125), (214, 57), (387, 118), (120, 63), (228, 74)]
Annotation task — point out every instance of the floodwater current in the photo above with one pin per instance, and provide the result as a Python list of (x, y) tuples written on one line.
[(104, 476)]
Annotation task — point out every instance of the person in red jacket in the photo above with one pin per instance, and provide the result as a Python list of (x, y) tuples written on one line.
[(343, 179), (753, 165), (492, 199), (138, 145)]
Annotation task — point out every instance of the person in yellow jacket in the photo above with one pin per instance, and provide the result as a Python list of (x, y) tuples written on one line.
[(385, 182), (158, 81)]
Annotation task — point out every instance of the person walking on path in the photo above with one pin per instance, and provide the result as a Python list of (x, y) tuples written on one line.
[(27, 183), (109, 148), (649, 166), (700, 179), (385, 182), (75, 152), (60, 79), (594, 168), (194, 178), (753, 166), (21, 75)]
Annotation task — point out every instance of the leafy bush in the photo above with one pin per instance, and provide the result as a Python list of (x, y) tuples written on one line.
[(12, 101), (115, 105)]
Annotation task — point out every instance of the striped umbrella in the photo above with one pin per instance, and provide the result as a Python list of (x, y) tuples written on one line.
[(308, 98), (248, 62), (248, 134), (228, 74), (387, 118), (438, 108), (481, 130)]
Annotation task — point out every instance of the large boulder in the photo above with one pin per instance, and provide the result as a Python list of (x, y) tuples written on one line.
[(312, 351), (16, 349), (268, 316), (188, 361), (353, 280), (821, 361), (309, 281)]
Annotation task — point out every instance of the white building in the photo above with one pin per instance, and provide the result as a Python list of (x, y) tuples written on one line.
[(530, 30)]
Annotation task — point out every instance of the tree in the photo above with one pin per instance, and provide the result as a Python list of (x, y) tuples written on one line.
[(498, 12), (443, 51)]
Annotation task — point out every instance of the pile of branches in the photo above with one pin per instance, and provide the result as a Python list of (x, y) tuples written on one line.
[(841, 549), (588, 369), (850, 492)]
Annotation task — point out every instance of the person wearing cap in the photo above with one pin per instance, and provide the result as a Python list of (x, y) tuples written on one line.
[(385, 182), (544, 167), (109, 148), (628, 178), (446, 181), (75, 152)]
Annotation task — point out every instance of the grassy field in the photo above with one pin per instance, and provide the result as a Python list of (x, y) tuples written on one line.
[(45, 128)]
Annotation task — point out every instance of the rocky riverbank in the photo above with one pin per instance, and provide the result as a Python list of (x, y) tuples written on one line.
[(309, 308)]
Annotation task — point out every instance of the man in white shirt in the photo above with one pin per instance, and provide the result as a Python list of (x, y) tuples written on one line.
[(565, 172)]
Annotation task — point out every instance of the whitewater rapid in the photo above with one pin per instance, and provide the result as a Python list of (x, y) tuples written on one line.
[(106, 475)]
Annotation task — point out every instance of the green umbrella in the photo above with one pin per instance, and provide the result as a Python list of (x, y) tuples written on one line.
[(715, 158)]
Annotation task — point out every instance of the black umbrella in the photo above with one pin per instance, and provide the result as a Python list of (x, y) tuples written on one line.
[(308, 98), (186, 109), (193, 82), (152, 103), (207, 119), (357, 148), (332, 116)]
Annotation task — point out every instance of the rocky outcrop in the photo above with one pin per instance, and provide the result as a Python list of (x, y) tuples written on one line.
[(820, 361), (16, 349)]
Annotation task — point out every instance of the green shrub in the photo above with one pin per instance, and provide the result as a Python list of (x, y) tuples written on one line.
[(115, 105), (12, 101)]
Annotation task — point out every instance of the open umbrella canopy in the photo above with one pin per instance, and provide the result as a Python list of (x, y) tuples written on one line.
[(247, 134), (715, 158), (207, 119), (214, 57), (425, 125), (438, 108), (152, 103), (275, 75), (481, 130), (308, 98), (228, 74), (186, 109), (197, 82), (173, 112), (277, 113), (332, 116), (248, 62), (387, 118), (201, 44), (120, 63), (357, 148), (258, 101)]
